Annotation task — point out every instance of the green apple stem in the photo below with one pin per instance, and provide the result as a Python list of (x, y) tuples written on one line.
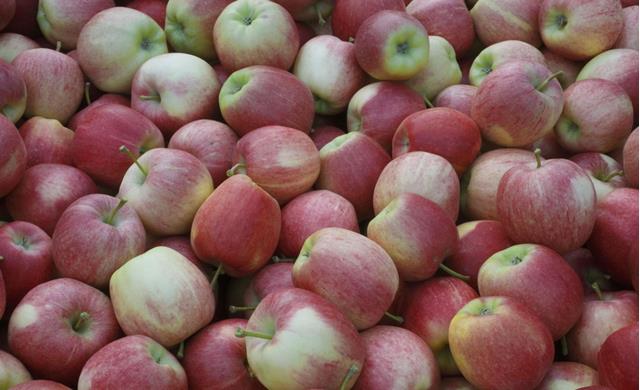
[(321, 20), (394, 317), (87, 96), (180, 353), (58, 46), (564, 345), (538, 154), (612, 175), (236, 169), (113, 213), (546, 81), (596, 287), (82, 318), (453, 273), (347, 378), (247, 333), (238, 309), (216, 276), (125, 150), (428, 102), (150, 97)]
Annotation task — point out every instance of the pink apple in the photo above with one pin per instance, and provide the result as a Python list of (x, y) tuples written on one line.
[(569, 69), (628, 38), (324, 134), (12, 44), (13, 98), (618, 359), (604, 171), (41, 384), (348, 15), (271, 278), (630, 159), (500, 53), (457, 97), (181, 244), (46, 141), (497, 21), (107, 98), (156, 9), (13, 156), (12, 371), (571, 374)]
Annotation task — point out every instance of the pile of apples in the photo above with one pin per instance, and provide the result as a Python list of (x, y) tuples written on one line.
[(319, 194)]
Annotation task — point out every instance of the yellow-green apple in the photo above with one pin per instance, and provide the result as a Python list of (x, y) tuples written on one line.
[(557, 63), (134, 361), (538, 277), (55, 340), (416, 233), (396, 359), (41, 384), (324, 134), (501, 20), (497, 342), (579, 30), (215, 359), (182, 244), (300, 333), (182, 306), (433, 130), (517, 104), (13, 98), (174, 89), (618, 359), (54, 81), (45, 191), (212, 142), (584, 264), (255, 32), (281, 160), (428, 312), (237, 226), (422, 173), (500, 53), (309, 212), (455, 383), (13, 156), (457, 97), (569, 374), (7, 12), (114, 43), (189, 25), (46, 141), (99, 134), (449, 19), (12, 371), (255, 97), (328, 66), (605, 172), (441, 72), (392, 45), (107, 98), (308, 10), (24, 20), (477, 241), (271, 278), (145, 184), (12, 44), (601, 316), (348, 15), (377, 110), (628, 38), (94, 236), (630, 159), (61, 21), (597, 117), (350, 167)]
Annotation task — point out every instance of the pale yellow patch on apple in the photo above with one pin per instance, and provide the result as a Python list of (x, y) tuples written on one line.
[(467, 228), (23, 316), (510, 18), (500, 136)]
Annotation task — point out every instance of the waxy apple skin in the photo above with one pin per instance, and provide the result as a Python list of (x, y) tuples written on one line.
[(630, 159), (12, 371), (13, 156), (12, 44), (41, 384), (156, 9), (348, 15), (628, 38), (569, 69), (618, 359), (569, 374), (457, 97), (500, 53), (324, 134), (46, 141), (271, 278), (13, 98), (602, 170), (497, 21)]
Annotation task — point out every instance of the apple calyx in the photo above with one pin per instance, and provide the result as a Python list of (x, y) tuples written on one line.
[(538, 154), (238, 168), (394, 317), (112, 214), (453, 273), (610, 176), (125, 150), (87, 96), (596, 287), (150, 97), (321, 20), (546, 81), (347, 378), (216, 276), (247, 333), (82, 319), (239, 309), (561, 21)]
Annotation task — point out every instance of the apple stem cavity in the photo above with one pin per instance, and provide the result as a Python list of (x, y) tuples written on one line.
[(82, 319), (538, 154), (546, 81), (353, 370), (58, 46), (238, 309), (247, 333), (613, 174), (112, 214), (428, 102), (238, 168), (453, 273), (564, 345), (596, 287), (125, 150), (216, 276), (87, 96), (394, 317), (180, 353), (321, 20), (150, 97)]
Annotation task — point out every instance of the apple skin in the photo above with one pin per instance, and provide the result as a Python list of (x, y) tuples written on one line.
[(61, 21), (500, 53), (579, 30), (457, 97), (100, 133), (599, 167), (12, 371), (43, 337), (86, 246), (253, 97), (422, 173), (156, 9), (13, 156), (45, 191), (328, 66), (428, 312), (497, 342), (396, 358), (350, 167), (167, 168), (46, 141), (270, 37), (181, 244), (556, 62), (433, 130), (12, 44), (281, 160), (597, 117), (618, 359), (324, 134), (41, 384), (148, 365), (308, 10), (54, 81), (334, 260), (600, 318), (628, 38), (13, 98), (538, 277), (7, 12), (189, 25), (377, 110), (417, 234), (497, 21), (115, 43), (455, 383), (310, 212), (24, 20), (107, 98), (211, 142), (571, 374), (630, 159), (312, 341), (348, 15), (271, 278), (238, 225)]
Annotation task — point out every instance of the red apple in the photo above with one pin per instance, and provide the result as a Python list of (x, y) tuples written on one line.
[(12, 44), (107, 98), (457, 97), (604, 171), (41, 384), (12, 371), (271, 278), (7, 12), (618, 359), (501, 20), (569, 69), (24, 21), (324, 134), (181, 244), (13, 98), (348, 15), (628, 38), (500, 53), (305, 32), (13, 156), (630, 159), (46, 141), (571, 374), (156, 9)]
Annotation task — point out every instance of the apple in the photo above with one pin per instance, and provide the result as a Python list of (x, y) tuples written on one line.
[(557, 63), (12, 371), (300, 333), (46, 141), (348, 15), (175, 89), (579, 30), (334, 260), (260, 96), (271, 278), (497, 342), (107, 98), (457, 97), (328, 66), (55, 340), (24, 20), (309, 212), (41, 384), (255, 32), (7, 12), (392, 45), (618, 359), (308, 10), (377, 110), (189, 25), (604, 171), (571, 374), (156, 9), (12, 44), (113, 45), (549, 147), (13, 156), (181, 244), (305, 32), (13, 98), (147, 365), (324, 134), (500, 53), (628, 39), (630, 159), (583, 262), (500, 20), (455, 383)]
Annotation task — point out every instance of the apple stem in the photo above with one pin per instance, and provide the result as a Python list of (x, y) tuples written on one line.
[(428, 102), (125, 150), (236, 309), (453, 273), (351, 39), (394, 317), (216, 276), (235, 169), (58, 46), (87, 96), (113, 213), (82, 318), (150, 97), (180, 353), (1, 258), (321, 20), (247, 333), (564, 345), (347, 378), (612, 175), (596, 287), (538, 154), (546, 81)]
